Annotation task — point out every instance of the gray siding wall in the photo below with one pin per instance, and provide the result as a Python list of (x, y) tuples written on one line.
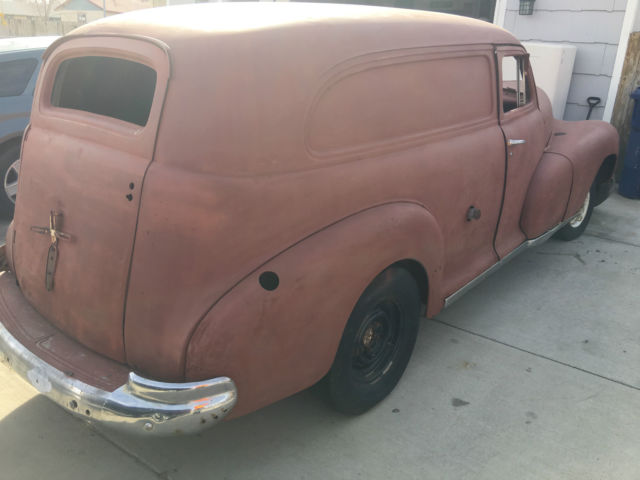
[(593, 26)]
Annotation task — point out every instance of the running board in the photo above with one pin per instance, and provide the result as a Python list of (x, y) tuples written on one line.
[(497, 266)]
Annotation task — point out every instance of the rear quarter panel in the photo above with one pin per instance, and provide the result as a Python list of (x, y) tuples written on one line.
[(275, 343), (203, 228)]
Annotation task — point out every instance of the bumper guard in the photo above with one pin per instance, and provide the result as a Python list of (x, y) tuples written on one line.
[(139, 406)]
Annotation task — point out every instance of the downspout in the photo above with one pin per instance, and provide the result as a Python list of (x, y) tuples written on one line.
[(627, 28)]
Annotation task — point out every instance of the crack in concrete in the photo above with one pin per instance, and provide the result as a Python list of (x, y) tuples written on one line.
[(164, 475), (602, 236), (539, 355)]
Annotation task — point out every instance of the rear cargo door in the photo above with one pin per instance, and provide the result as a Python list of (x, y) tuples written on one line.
[(92, 136)]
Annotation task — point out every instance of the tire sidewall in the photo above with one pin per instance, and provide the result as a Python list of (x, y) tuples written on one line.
[(568, 233), (345, 391), (8, 155)]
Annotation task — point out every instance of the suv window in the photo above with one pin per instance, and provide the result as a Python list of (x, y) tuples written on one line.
[(15, 76), (515, 83), (108, 86)]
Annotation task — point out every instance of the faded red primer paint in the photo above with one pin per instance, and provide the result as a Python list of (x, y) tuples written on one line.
[(242, 169)]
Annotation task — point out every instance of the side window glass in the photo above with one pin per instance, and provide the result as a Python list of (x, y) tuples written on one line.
[(15, 75), (515, 83)]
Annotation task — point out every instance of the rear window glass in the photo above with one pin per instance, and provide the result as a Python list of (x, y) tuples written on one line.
[(15, 75), (112, 87)]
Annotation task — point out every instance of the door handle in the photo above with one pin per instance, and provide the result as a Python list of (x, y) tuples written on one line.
[(511, 142)]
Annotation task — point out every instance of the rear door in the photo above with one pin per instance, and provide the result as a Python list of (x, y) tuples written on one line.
[(91, 139), (523, 127)]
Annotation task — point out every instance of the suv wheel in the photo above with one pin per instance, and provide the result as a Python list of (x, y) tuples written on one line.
[(9, 170)]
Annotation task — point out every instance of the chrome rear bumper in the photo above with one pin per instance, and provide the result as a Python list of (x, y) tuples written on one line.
[(139, 406)]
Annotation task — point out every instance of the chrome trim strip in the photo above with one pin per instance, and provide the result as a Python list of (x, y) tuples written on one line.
[(139, 406), (502, 262)]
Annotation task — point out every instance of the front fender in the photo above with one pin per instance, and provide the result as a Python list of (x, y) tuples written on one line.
[(585, 144), (546, 202), (275, 343)]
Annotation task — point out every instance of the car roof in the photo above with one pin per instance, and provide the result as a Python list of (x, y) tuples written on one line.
[(17, 44), (300, 22)]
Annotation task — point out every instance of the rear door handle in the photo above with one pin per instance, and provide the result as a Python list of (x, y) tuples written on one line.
[(511, 142)]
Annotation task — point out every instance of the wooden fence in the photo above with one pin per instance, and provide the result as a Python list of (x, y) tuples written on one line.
[(25, 26)]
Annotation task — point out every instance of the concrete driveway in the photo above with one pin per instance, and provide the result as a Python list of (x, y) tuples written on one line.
[(532, 375)]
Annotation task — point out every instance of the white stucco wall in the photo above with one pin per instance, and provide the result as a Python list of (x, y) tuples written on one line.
[(593, 26)]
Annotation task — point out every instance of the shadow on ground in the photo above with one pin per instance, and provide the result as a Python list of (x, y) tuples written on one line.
[(41, 441)]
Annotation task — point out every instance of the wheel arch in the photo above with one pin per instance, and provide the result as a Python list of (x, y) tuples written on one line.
[(604, 178), (607, 168), (419, 274), (295, 329)]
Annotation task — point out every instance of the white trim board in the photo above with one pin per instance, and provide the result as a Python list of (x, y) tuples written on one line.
[(500, 12)]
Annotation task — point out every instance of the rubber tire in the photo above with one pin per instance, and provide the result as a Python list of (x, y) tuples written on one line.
[(345, 393), (8, 155), (568, 233)]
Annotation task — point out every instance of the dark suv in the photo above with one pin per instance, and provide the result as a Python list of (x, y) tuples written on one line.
[(20, 60)]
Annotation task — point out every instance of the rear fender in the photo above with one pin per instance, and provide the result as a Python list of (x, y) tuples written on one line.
[(273, 343)]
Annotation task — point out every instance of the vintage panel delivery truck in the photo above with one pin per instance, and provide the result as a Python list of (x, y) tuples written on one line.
[(220, 205)]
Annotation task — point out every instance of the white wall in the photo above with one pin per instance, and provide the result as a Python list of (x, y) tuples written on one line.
[(593, 26)]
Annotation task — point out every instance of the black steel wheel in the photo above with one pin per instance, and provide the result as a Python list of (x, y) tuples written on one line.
[(376, 344)]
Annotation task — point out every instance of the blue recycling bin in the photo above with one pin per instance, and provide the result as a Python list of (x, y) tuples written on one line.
[(630, 179)]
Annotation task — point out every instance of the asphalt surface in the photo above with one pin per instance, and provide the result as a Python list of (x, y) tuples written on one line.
[(532, 375)]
